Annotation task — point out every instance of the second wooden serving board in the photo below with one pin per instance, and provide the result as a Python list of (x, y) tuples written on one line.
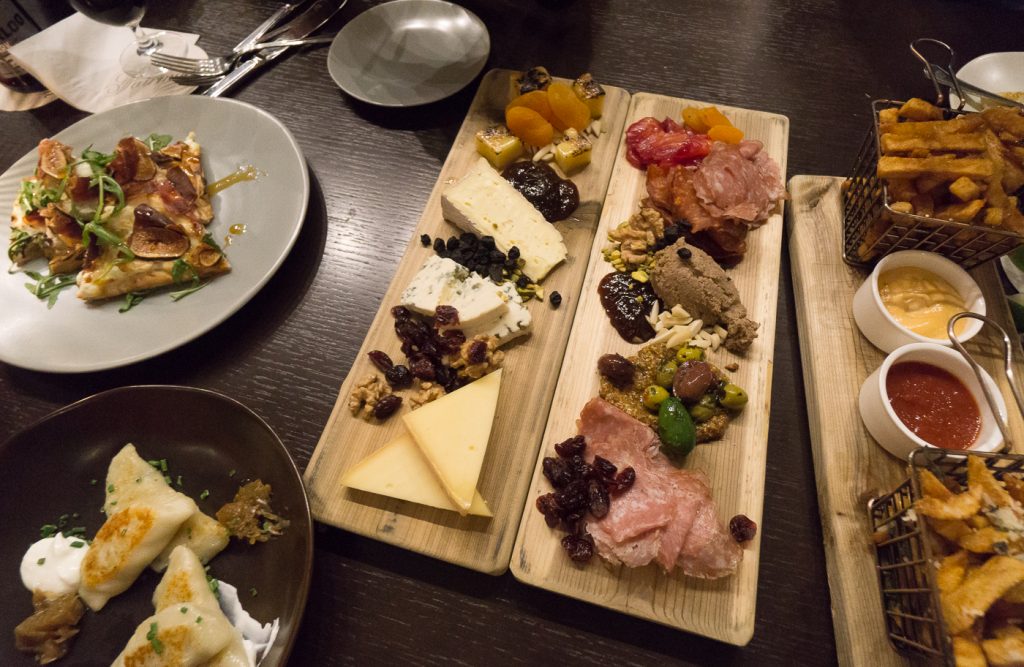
[(849, 467), (722, 609), (530, 371)]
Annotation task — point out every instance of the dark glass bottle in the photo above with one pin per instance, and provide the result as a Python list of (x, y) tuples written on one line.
[(18, 21)]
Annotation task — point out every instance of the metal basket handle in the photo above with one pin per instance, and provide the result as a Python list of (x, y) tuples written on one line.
[(1004, 427), (950, 69)]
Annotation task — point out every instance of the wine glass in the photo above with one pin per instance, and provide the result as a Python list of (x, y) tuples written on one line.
[(135, 58)]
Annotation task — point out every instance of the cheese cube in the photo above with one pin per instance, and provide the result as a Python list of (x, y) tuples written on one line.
[(486, 204), (442, 281)]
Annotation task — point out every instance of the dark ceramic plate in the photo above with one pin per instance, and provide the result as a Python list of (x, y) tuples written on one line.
[(48, 468)]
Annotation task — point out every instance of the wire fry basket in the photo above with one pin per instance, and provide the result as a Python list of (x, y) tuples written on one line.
[(905, 554), (872, 229)]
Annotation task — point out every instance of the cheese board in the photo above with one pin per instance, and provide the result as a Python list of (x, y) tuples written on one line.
[(528, 375), (850, 468), (735, 465)]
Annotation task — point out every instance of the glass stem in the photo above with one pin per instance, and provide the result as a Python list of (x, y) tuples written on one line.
[(145, 44)]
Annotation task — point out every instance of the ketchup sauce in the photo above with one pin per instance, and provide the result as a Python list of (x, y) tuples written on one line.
[(934, 404)]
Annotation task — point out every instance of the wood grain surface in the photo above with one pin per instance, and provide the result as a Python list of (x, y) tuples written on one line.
[(528, 380), (286, 353), (850, 467), (722, 609)]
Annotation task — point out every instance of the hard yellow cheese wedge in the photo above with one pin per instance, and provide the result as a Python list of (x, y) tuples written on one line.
[(398, 470), (452, 433)]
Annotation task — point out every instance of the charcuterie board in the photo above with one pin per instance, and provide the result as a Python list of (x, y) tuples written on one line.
[(722, 609), (530, 371), (850, 468)]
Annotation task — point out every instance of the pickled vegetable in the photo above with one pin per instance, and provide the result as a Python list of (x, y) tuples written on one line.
[(733, 397), (688, 353), (529, 126), (666, 374), (675, 428), (654, 396)]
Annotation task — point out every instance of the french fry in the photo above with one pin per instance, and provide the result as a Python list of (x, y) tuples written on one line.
[(979, 591), (960, 212), (1005, 651), (951, 572), (935, 142), (981, 479), (959, 506), (993, 217), (959, 125), (918, 109), (953, 530), (1015, 596), (901, 189), (979, 521), (889, 116), (968, 653), (965, 189), (931, 487), (902, 207), (986, 540), (945, 166)]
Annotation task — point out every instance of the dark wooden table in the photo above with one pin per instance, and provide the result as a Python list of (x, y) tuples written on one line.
[(286, 352)]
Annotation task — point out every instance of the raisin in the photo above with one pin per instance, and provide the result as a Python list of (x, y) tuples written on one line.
[(401, 313), (468, 239), (477, 353), (571, 521), (684, 253), (439, 247), (452, 340), (497, 256), (513, 253), (597, 495), (522, 282), (487, 242), (623, 481), (742, 528), (604, 468), (410, 330), (557, 471), (495, 273), (446, 316), (580, 468), (573, 498), (571, 447), (579, 547), (387, 406), (421, 367), (425, 240), (556, 299), (618, 369), (442, 374), (381, 360), (547, 506), (453, 244), (398, 377)]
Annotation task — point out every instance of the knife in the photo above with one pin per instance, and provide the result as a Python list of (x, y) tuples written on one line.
[(256, 35), (306, 23)]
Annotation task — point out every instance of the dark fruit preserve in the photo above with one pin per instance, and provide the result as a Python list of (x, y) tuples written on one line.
[(555, 197), (934, 404), (628, 302)]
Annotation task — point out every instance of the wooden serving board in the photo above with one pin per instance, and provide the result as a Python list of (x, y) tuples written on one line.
[(850, 468), (530, 371), (722, 609)]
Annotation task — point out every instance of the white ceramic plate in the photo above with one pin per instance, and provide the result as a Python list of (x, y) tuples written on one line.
[(408, 52), (75, 337), (996, 72)]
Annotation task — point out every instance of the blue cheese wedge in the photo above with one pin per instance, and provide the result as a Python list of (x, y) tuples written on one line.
[(443, 282), (484, 203), (515, 322)]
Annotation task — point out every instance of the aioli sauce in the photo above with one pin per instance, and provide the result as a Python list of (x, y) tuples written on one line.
[(934, 404), (921, 301)]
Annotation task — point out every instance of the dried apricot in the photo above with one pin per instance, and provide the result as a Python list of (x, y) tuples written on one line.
[(712, 116), (529, 126), (726, 133), (568, 108), (536, 100), (692, 120)]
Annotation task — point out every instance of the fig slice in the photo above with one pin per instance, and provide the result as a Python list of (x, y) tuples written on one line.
[(182, 183), (208, 257), (158, 242), (53, 158)]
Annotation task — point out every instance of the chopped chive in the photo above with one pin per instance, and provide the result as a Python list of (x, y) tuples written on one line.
[(158, 646), (184, 610), (204, 495), (40, 561), (77, 544), (110, 488), (253, 592), (93, 481)]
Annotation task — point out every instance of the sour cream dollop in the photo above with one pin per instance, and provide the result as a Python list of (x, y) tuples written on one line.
[(53, 566), (256, 637)]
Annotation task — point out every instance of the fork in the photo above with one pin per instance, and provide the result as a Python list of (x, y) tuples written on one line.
[(210, 68)]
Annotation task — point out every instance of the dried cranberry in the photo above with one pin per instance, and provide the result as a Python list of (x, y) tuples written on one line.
[(387, 406), (557, 471), (597, 495), (430, 348), (580, 468), (572, 447), (398, 377), (452, 340), (742, 528), (410, 330), (618, 369), (401, 313), (604, 468), (571, 522), (421, 367), (579, 547), (623, 481), (547, 506), (442, 374), (381, 360), (446, 316), (477, 353), (573, 498)]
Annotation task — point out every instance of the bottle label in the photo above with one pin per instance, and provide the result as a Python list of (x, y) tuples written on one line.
[(15, 26)]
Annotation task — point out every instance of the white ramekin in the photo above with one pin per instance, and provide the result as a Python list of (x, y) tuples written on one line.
[(887, 429), (881, 328)]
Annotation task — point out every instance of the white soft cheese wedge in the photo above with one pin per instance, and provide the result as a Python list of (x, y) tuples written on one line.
[(486, 204), (510, 325), (398, 470), (443, 282), (452, 433)]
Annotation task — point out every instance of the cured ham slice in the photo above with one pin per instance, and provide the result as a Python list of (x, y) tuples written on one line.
[(668, 516)]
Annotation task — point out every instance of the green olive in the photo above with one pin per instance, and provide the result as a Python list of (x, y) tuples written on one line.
[(733, 397), (689, 353), (653, 396), (666, 374), (701, 413), (675, 429)]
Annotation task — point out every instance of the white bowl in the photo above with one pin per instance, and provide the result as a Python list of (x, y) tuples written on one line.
[(890, 432), (881, 328), (995, 72)]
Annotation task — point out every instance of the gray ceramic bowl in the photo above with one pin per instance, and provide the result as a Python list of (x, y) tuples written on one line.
[(408, 52)]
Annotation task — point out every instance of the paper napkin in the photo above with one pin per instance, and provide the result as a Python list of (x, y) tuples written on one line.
[(78, 60), (14, 101)]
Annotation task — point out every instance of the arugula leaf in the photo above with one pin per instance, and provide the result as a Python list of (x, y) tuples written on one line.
[(106, 237), (182, 271), (95, 158), (20, 240), (210, 241), (155, 142), (131, 299), (181, 294), (47, 288)]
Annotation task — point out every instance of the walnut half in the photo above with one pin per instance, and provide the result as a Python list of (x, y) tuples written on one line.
[(478, 357), (365, 396)]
